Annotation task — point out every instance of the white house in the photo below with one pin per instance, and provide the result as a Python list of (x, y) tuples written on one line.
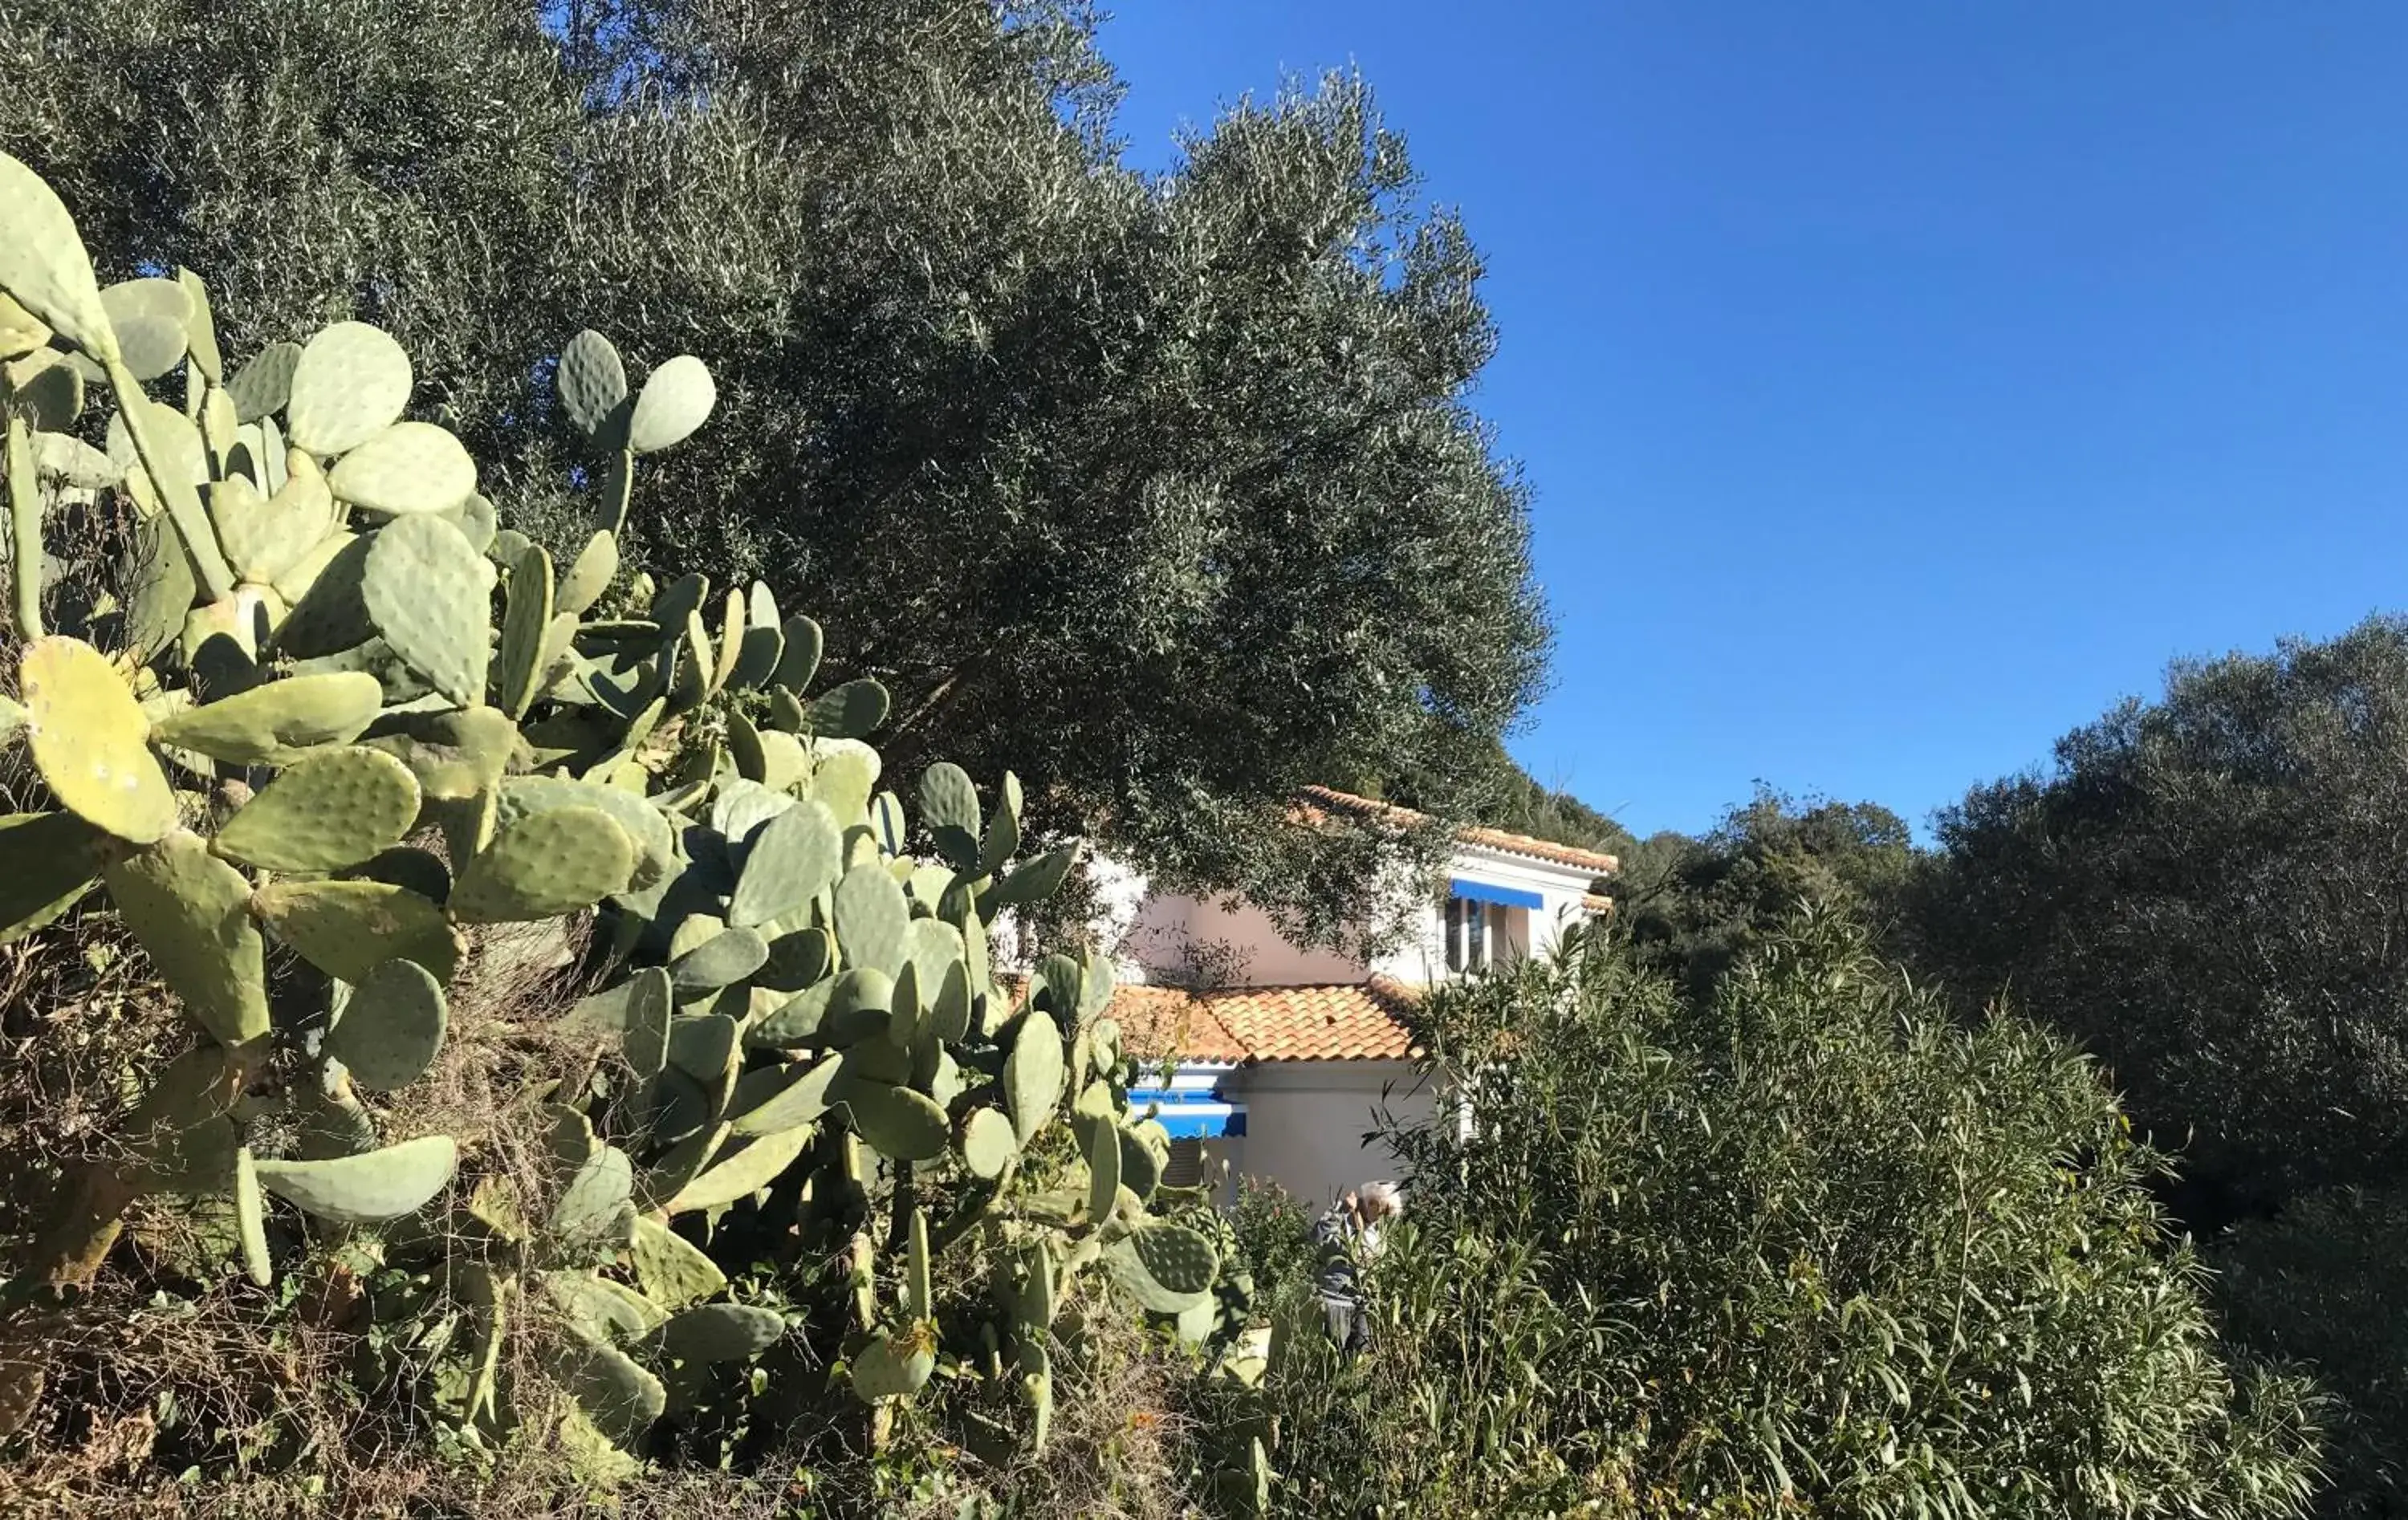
[(1285, 1057)]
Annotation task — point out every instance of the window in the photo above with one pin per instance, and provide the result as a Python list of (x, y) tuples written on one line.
[(1186, 1168), (1472, 928)]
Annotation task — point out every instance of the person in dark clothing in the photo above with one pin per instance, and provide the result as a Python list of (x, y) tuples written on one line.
[(1348, 1232)]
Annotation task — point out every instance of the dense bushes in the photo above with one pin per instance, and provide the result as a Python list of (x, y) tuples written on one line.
[(1810, 1239), (2205, 889), (2326, 1285)]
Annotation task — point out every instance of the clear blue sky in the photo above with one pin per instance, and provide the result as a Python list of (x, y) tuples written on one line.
[(1900, 384)]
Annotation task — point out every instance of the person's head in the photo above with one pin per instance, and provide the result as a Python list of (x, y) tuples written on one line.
[(1376, 1201)]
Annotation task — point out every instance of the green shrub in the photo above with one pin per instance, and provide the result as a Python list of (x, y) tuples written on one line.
[(1810, 1247), (1274, 1232)]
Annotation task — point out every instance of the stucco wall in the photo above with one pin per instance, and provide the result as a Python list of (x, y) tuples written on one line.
[(1305, 1120), (1529, 930), (1166, 927)]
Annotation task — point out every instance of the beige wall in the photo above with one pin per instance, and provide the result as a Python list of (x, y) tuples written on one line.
[(1166, 927), (1305, 1120)]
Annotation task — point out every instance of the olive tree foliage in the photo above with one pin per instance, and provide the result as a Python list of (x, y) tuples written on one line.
[(1186, 460), (2208, 891), (1811, 1246), (1695, 907)]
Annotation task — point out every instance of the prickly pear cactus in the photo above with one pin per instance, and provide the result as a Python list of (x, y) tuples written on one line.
[(338, 735)]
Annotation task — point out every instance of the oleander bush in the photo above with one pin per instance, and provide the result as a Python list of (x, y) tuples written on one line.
[(1810, 1247)]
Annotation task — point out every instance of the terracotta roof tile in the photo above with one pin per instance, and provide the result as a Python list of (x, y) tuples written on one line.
[(1598, 903), (1173, 1021), (1593, 861), (1347, 1021)]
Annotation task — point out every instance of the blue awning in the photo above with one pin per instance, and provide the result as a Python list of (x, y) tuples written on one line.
[(1190, 1115), (1483, 892)]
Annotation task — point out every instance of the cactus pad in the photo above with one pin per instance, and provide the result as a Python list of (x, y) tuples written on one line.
[(323, 588), (677, 398), (1145, 1153), (20, 332), (150, 317), (798, 1021), (595, 1191), (251, 1219), (48, 396), (619, 1397), (348, 384), (202, 325), (188, 908), (1180, 1259), (1103, 1150), (390, 1028), (43, 265), (731, 641), (896, 1122), (526, 618), (949, 806), (843, 773), (347, 929), (721, 1333), (872, 920), (591, 382), (328, 811), (363, 1189), (934, 947), (88, 734), (656, 843), (988, 1143), (727, 956), (744, 1172), (426, 591), (1131, 1270), (1033, 1075), (408, 467), (892, 1367), (266, 536), (264, 384), (671, 1270), (275, 724), (53, 859), (861, 1005), (600, 1307), (850, 711), (776, 1099), (796, 856), (800, 659), (545, 865), (597, 566), (1034, 881), (645, 1042), (919, 1292), (764, 641)]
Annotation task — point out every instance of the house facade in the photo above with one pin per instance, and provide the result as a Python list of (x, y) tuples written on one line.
[(1286, 1056)]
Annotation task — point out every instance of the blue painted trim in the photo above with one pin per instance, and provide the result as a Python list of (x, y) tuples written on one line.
[(1483, 892), (1189, 1114), (1226, 1123)]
